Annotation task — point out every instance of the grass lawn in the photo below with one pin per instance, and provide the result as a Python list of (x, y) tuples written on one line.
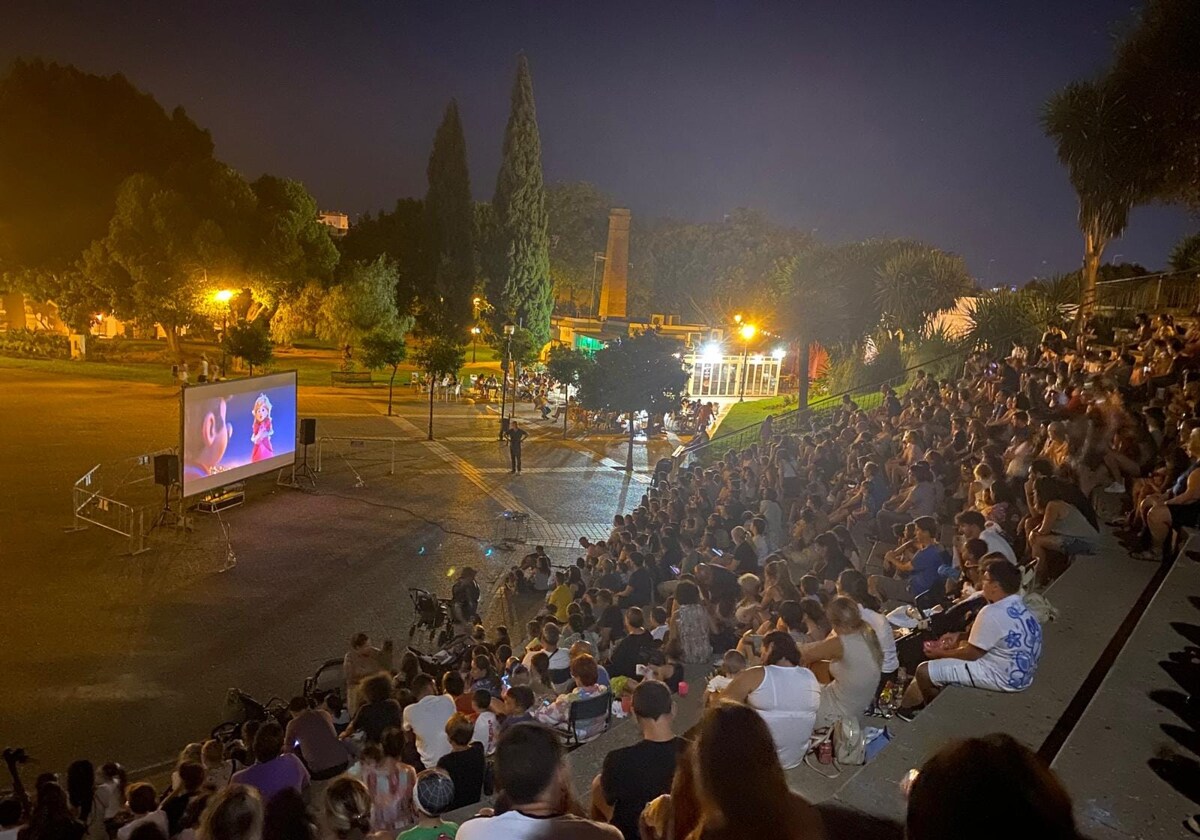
[(146, 363), (154, 374), (752, 412)]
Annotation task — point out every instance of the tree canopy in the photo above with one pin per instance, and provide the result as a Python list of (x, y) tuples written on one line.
[(362, 302), (577, 222), (519, 268), (69, 140), (450, 220), (639, 373)]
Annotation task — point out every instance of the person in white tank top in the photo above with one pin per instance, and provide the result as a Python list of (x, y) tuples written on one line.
[(784, 693)]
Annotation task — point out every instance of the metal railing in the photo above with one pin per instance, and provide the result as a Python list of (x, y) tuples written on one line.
[(1148, 293), (94, 499), (815, 414), (359, 442), (1179, 291)]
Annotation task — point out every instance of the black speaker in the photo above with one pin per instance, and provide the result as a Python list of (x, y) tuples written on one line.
[(308, 431), (166, 469)]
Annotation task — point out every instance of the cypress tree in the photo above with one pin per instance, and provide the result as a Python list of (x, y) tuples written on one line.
[(520, 284), (450, 222)]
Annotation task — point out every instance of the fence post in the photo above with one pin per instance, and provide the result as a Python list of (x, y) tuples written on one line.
[(1157, 292)]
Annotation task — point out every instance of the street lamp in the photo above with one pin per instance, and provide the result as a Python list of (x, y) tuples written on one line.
[(224, 296), (747, 332), (509, 329), (474, 338)]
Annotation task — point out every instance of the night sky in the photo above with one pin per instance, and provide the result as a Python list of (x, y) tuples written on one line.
[(850, 119)]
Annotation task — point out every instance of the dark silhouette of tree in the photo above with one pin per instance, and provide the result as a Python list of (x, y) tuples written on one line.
[(450, 221), (640, 373), (519, 266)]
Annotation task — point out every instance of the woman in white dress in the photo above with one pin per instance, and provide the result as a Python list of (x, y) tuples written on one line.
[(852, 659), (784, 693)]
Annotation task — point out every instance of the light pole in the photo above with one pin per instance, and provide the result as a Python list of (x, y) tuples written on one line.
[(474, 338), (509, 329), (747, 332), (223, 297)]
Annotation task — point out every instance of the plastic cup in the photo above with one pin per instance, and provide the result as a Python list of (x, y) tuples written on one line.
[(683, 688)]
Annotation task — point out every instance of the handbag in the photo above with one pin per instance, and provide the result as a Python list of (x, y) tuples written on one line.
[(849, 742), (839, 745)]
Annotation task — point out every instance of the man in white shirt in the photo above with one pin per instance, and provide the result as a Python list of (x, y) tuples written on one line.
[(532, 771), (1000, 654), (426, 720), (972, 526)]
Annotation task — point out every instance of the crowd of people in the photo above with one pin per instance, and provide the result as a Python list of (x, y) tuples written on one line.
[(794, 574)]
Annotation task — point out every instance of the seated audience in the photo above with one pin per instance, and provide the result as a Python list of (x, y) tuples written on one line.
[(634, 775), (1000, 653), (784, 692), (534, 784), (432, 796)]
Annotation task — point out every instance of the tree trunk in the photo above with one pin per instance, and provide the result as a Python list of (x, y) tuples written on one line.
[(1093, 250), (174, 345), (431, 387), (566, 410), (391, 382), (629, 454), (802, 374)]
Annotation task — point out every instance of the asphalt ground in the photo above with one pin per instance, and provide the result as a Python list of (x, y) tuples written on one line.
[(116, 657)]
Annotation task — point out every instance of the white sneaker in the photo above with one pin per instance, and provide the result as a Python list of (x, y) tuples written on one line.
[(1115, 487)]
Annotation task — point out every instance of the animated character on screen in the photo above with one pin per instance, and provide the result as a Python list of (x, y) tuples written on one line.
[(207, 437), (260, 434)]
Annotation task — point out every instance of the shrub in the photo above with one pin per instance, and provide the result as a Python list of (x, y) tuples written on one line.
[(34, 344)]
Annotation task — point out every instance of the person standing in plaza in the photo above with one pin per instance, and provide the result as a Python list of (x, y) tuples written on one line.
[(515, 436)]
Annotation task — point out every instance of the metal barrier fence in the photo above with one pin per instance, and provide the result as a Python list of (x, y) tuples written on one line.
[(94, 499), (359, 446)]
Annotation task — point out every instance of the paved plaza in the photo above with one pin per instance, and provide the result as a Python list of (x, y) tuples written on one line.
[(129, 657)]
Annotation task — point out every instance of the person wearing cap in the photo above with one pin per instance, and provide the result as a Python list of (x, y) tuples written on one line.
[(432, 795)]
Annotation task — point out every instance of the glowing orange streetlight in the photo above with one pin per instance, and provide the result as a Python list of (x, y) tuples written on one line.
[(224, 296)]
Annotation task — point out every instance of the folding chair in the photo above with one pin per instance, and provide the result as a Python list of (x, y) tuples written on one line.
[(582, 712)]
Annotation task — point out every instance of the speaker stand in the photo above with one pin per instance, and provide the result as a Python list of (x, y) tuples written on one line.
[(167, 516), (299, 473)]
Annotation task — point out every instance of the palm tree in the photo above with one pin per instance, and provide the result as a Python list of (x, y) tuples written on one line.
[(1185, 256), (1097, 139), (916, 283), (812, 304)]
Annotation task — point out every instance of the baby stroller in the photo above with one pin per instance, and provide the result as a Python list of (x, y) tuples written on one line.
[(433, 616), (447, 658)]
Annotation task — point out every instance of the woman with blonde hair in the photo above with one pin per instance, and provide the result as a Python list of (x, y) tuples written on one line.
[(218, 769), (847, 663), (347, 809), (234, 813)]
